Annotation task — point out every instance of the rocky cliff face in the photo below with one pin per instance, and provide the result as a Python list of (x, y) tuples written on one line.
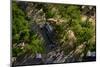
[(66, 45)]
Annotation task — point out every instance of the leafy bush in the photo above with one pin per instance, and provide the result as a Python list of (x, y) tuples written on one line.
[(21, 33)]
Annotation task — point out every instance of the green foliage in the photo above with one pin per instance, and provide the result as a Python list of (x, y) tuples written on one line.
[(36, 45), (19, 24), (49, 14), (16, 52), (21, 33), (85, 34)]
